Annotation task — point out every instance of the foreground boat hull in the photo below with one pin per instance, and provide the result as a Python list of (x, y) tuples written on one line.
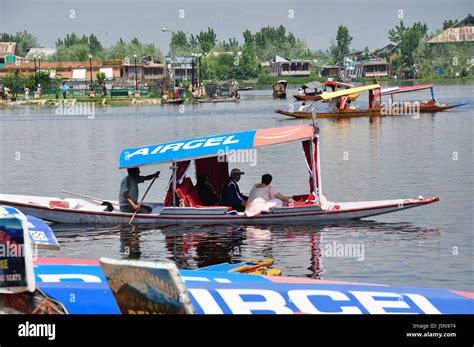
[(333, 212), (213, 292)]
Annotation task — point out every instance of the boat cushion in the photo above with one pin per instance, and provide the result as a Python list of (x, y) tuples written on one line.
[(187, 192), (303, 199)]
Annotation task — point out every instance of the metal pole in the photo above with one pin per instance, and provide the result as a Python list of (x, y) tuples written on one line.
[(318, 167), (174, 167), (192, 71), (200, 70), (90, 66), (313, 168), (136, 72), (36, 76)]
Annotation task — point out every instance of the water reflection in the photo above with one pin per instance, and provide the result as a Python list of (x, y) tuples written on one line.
[(297, 249)]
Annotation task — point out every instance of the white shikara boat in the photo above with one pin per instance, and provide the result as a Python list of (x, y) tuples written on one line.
[(182, 203)]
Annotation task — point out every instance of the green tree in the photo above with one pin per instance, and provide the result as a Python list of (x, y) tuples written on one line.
[(395, 35), (449, 23), (101, 78), (408, 39), (343, 42), (207, 40), (249, 65), (179, 44), (123, 49), (271, 41)]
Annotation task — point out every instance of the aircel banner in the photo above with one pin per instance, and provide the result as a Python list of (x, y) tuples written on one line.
[(191, 148), (227, 293)]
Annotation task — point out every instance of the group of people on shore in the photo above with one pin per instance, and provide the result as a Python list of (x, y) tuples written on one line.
[(9, 95), (262, 197)]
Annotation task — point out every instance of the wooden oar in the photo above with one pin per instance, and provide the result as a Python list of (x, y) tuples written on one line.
[(141, 201), (88, 197)]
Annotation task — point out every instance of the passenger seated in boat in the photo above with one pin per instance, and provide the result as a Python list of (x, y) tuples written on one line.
[(231, 195), (263, 197), (128, 196), (303, 107), (206, 192)]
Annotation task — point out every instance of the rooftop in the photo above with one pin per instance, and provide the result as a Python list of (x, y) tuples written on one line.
[(462, 31), (7, 48)]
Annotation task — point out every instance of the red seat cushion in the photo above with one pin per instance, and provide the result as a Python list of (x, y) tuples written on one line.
[(188, 193), (304, 197)]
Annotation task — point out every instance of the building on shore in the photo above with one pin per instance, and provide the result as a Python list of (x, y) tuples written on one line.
[(9, 53), (118, 73), (331, 71), (282, 67), (183, 68), (42, 53), (372, 68), (460, 35)]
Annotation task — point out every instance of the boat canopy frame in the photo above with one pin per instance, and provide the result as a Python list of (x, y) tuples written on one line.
[(220, 145), (398, 90)]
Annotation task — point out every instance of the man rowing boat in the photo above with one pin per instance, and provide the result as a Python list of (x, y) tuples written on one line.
[(128, 196)]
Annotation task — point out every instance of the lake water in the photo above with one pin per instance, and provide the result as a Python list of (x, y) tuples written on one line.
[(42, 153)]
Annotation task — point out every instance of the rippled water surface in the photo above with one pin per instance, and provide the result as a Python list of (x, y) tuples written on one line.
[(362, 159)]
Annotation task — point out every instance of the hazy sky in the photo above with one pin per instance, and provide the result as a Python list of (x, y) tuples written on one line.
[(315, 21)]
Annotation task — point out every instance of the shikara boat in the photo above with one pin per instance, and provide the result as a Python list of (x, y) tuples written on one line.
[(309, 91), (432, 105), (216, 101), (318, 89), (182, 203), (173, 102), (279, 89), (343, 110)]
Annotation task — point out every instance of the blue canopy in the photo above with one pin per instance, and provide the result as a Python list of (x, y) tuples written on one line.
[(211, 145)]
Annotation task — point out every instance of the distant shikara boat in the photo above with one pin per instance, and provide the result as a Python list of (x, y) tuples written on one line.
[(344, 97), (173, 101), (182, 203), (216, 101), (279, 89), (376, 106)]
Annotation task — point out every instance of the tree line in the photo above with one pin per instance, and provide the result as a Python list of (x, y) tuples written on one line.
[(234, 59)]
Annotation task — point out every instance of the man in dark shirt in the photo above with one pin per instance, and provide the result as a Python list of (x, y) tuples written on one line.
[(206, 192), (231, 195)]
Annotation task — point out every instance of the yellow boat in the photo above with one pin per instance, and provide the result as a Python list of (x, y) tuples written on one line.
[(343, 110)]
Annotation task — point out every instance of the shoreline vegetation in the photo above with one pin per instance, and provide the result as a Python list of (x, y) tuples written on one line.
[(412, 59), (153, 99)]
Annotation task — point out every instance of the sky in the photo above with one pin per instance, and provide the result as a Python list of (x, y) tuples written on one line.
[(315, 21)]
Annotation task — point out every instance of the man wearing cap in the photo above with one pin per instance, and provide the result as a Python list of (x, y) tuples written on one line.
[(231, 195)]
